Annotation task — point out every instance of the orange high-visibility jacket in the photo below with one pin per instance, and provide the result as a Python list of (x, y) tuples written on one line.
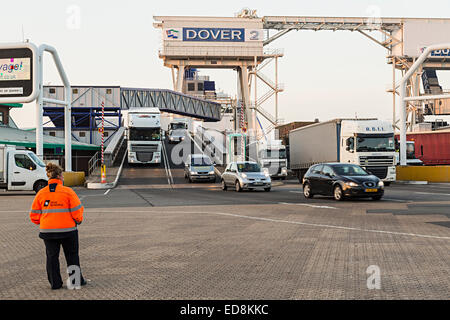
[(56, 208)]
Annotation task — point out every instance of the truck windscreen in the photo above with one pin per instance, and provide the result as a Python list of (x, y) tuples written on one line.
[(273, 154), (176, 126), (410, 151), (375, 143), (145, 134)]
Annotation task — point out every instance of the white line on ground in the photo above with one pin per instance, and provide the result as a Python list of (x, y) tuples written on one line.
[(295, 223), (296, 191), (434, 193), (397, 200), (307, 205), (106, 192)]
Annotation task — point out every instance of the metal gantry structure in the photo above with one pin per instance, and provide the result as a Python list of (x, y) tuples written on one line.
[(171, 102), (401, 37), (391, 36)]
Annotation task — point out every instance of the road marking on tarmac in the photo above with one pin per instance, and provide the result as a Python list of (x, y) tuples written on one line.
[(293, 222), (434, 193), (307, 205)]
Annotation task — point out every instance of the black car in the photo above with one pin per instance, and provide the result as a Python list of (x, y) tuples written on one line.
[(341, 180)]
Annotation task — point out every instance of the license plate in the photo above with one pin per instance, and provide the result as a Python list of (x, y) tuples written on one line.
[(371, 190)]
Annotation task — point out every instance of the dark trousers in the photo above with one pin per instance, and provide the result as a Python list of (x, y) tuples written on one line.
[(52, 248)]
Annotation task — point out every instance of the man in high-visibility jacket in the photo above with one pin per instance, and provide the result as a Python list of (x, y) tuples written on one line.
[(57, 210)]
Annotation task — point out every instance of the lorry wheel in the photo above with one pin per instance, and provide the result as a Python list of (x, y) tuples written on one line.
[(39, 185), (338, 194), (307, 191), (267, 189), (224, 185), (238, 186), (376, 198)]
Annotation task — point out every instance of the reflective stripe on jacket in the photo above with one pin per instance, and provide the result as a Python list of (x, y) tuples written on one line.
[(56, 208)]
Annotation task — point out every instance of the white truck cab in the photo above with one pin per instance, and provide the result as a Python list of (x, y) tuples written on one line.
[(144, 135), (411, 159), (21, 170), (177, 130), (371, 144), (273, 159)]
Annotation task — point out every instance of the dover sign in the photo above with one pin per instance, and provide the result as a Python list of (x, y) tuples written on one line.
[(213, 34), (18, 65)]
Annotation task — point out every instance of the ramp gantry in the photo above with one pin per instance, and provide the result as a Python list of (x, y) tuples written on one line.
[(85, 97), (172, 102)]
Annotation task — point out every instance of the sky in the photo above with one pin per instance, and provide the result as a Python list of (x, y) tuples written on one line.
[(326, 74)]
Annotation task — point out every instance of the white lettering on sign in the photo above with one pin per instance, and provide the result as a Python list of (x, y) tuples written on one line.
[(6, 91)]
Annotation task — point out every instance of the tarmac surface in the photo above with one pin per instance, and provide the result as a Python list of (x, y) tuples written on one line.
[(151, 239)]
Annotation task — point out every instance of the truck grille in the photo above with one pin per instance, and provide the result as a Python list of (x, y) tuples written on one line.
[(380, 172), (376, 161), (144, 148), (144, 156)]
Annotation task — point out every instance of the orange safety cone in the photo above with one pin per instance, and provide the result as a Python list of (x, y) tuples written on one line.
[(103, 174)]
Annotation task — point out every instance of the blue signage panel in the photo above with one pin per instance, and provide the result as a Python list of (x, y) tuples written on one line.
[(441, 53), (214, 34)]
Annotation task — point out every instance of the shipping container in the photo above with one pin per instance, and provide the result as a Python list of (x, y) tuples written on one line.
[(432, 147)]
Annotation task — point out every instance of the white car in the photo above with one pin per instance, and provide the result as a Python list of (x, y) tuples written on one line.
[(245, 175)]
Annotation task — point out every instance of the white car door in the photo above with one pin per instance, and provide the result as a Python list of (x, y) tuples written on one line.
[(21, 167)]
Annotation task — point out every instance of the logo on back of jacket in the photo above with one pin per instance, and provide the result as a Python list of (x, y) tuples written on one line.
[(52, 203)]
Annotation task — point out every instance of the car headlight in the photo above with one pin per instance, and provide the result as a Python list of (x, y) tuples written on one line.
[(267, 174), (193, 172), (352, 184), (284, 170), (182, 138), (266, 170), (381, 184), (243, 175), (212, 172)]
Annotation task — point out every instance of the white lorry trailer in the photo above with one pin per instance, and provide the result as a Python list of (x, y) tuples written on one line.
[(272, 158), (367, 142), (144, 136), (21, 170)]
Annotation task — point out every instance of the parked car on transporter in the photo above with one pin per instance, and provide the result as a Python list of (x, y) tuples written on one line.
[(245, 175), (199, 167), (341, 180)]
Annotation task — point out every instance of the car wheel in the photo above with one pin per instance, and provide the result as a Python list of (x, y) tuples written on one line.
[(387, 184), (338, 194), (238, 186), (376, 198), (224, 185), (39, 185), (267, 189), (307, 191)]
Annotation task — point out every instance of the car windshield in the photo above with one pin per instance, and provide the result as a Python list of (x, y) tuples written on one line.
[(145, 134), (349, 170), (200, 161), (377, 144), (248, 167), (36, 160), (273, 154)]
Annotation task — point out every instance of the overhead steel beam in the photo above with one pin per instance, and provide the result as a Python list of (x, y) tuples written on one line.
[(172, 102)]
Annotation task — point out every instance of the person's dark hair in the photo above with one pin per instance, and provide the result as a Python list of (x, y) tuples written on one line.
[(53, 171)]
